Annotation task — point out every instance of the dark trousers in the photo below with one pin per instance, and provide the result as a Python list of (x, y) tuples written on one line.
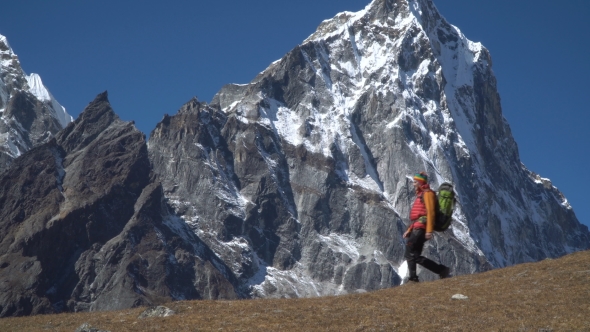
[(413, 254)]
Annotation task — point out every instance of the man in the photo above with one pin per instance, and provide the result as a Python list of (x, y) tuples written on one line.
[(422, 218)]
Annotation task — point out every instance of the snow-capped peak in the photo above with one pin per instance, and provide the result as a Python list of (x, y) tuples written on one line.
[(39, 90), (24, 125), (397, 71)]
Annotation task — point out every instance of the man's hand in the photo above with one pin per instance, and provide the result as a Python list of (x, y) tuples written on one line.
[(428, 236), (407, 233)]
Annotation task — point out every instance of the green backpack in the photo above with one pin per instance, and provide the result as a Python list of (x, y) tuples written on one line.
[(445, 204)]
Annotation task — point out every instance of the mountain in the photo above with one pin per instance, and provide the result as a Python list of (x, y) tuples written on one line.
[(297, 184), (30, 115), (301, 180)]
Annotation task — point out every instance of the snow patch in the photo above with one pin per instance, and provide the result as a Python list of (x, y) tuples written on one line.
[(403, 271), (342, 243), (37, 88)]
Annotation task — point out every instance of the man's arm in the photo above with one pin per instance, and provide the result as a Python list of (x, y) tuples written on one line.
[(430, 202)]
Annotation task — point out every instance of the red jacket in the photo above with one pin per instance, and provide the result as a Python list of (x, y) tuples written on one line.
[(424, 206)]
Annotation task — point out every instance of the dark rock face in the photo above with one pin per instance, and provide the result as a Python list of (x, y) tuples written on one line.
[(84, 226)]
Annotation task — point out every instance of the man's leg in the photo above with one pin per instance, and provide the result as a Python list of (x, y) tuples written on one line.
[(414, 256), (431, 265), (414, 247), (441, 270)]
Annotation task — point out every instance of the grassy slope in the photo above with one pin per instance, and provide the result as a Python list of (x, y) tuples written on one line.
[(552, 295)]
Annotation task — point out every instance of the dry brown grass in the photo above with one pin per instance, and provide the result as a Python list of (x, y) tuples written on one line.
[(552, 295)]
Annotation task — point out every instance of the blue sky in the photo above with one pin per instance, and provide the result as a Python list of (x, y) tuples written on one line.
[(153, 56)]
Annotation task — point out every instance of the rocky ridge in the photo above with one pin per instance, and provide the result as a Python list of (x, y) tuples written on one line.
[(84, 227)]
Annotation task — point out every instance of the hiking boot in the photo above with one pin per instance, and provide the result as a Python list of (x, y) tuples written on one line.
[(445, 273), (412, 280)]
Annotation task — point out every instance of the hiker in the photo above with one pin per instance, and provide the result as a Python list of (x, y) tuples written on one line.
[(422, 218)]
